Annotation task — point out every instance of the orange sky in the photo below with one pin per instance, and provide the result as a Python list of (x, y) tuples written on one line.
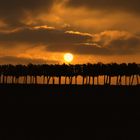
[(94, 31)]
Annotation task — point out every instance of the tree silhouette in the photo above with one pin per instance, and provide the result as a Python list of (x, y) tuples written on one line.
[(77, 72), (16, 74), (0, 74)]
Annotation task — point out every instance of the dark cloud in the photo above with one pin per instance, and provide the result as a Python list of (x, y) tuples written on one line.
[(20, 60), (118, 42), (125, 46), (13, 11), (43, 36), (91, 50), (104, 43), (107, 5)]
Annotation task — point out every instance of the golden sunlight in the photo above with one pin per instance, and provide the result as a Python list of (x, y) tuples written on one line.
[(68, 57)]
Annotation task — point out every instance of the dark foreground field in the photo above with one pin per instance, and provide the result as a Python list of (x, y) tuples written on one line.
[(70, 112), (69, 94)]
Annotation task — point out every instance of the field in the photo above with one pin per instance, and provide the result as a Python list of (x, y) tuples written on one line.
[(70, 112), (69, 94)]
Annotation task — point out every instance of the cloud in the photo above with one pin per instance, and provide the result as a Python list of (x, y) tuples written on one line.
[(108, 5), (104, 43), (14, 11), (22, 60), (43, 28), (118, 42), (44, 36)]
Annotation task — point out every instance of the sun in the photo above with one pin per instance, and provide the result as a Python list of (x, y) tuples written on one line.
[(68, 57)]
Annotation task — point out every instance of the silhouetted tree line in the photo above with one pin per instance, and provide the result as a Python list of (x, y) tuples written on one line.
[(90, 73)]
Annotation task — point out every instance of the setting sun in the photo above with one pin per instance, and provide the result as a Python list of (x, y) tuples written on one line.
[(68, 57)]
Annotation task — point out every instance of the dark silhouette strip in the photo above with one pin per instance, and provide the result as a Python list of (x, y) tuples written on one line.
[(89, 73)]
